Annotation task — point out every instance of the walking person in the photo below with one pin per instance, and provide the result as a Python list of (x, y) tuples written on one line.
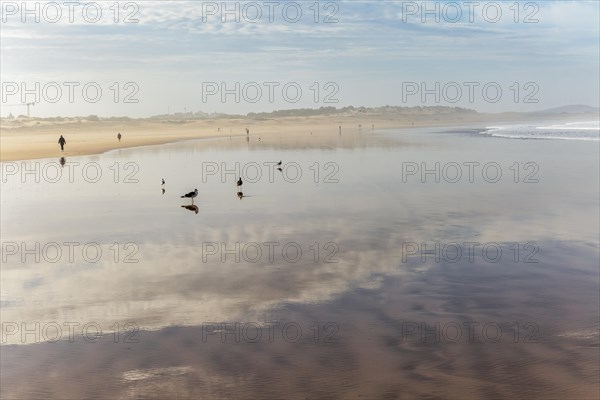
[(62, 142), (119, 136)]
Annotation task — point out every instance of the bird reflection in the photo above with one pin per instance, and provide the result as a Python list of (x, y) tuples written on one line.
[(240, 195), (163, 190), (279, 169), (62, 161), (191, 207)]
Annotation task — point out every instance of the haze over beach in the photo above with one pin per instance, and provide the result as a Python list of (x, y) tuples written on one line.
[(300, 200), (28, 138)]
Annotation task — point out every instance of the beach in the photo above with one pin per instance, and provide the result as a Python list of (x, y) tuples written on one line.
[(300, 200), (438, 262), (24, 139)]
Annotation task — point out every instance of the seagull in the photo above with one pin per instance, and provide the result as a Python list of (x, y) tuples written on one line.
[(163, 181), (191, 195), (279, 163), (239, 182)]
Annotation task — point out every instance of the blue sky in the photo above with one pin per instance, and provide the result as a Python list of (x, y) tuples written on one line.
[(369, 55)]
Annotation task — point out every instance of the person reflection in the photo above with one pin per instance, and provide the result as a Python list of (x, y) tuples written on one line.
[(62, 161), (191, 207)]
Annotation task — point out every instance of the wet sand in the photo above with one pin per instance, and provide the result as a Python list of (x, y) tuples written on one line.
[(370, 306)]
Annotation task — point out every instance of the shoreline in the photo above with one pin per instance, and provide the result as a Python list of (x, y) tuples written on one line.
[(22, 143)]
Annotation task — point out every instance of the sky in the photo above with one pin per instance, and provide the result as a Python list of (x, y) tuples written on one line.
[(143, 58)]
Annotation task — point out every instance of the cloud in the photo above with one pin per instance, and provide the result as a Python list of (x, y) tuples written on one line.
[(173, 36)]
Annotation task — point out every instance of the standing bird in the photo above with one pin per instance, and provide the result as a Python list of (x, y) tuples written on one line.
[(239, 182), (191, 195), (163, 181), (279, 163)]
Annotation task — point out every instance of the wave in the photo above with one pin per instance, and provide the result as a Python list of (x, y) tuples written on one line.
[(586, 130)]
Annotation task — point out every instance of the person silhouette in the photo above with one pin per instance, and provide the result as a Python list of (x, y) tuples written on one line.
[(119, 136), (62, 142)]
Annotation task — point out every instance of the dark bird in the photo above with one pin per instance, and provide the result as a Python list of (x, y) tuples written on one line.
[(279, 163), (191, 207), (191, 195), (279, 169), (163, 190), (163, 181), (239, 182)]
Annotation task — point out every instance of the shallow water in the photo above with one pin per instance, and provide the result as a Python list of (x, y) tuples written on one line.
[(386, 254)]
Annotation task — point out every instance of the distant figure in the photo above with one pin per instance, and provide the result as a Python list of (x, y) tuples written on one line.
[(62, 142), (218, 129), (240, 195), (119, 136), (279, 169), (163, 190), (191, 195), (279, 163), (247, 131), (340, 129), (62, 161), (240, 183), (163, 181), (191, 207)]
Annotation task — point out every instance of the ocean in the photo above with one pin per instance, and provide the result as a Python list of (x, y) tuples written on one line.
[(583, 130)]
